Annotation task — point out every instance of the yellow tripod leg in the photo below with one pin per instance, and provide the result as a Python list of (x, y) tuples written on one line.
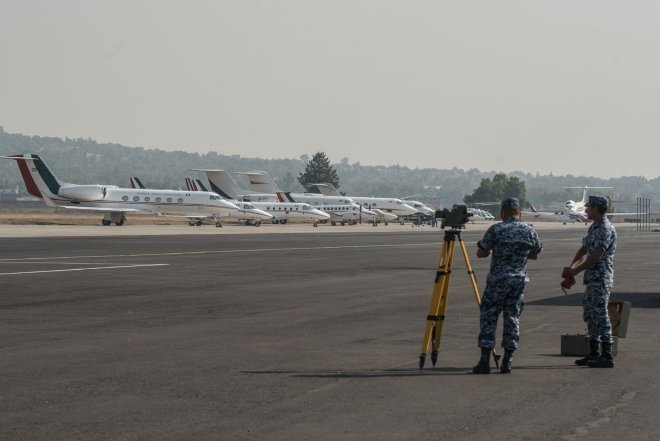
[(443, 280), (432, 317), (475, 290)]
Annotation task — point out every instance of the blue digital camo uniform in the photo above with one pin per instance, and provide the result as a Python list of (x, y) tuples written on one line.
[(598, 280), (511, 241)]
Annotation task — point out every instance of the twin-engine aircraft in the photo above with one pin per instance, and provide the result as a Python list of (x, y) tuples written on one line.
[(341, 208), (573, 211), (246, 211), (394, 206), (114, 201), (281, 212)]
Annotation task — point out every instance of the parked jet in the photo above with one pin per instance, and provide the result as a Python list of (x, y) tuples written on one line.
[(394, 206), (342, 209), (420, 207), (565, 216), (574, 211), (579, 206), (280, 212), (114, 201)]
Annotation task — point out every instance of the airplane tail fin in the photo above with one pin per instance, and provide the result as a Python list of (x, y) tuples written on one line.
[(193, 184), (261, 182), (533, 209), (190, 186), (135, 182), (284, 197), (39, 179), (222, 183), (325, 188), (200, 185)]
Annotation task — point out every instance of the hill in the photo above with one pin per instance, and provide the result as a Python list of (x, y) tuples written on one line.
[(86, 161)]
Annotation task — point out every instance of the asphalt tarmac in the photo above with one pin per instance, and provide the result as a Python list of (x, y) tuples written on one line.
[(222, 335)]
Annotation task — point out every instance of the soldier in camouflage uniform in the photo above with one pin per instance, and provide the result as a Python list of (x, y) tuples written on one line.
[(512, 242), (596, 258)]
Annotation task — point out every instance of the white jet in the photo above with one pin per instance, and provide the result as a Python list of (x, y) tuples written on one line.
[(393, 206), (341, 208), (280, 212), (114, 201), (574, 211)]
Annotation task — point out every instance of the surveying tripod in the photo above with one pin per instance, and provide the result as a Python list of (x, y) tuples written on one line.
[(436, 316)]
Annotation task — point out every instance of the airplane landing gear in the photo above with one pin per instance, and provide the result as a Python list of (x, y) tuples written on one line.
[(117, 218)]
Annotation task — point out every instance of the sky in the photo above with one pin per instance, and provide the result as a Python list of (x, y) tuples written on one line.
[(561, 87)]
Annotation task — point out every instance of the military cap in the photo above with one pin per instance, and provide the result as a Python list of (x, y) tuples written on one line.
[(597, 201), (511, 202)]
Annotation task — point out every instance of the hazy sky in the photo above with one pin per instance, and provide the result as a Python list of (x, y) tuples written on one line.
[(549, 86)]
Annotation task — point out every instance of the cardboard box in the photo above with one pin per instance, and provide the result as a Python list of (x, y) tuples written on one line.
[(619, 315), (578, 345)]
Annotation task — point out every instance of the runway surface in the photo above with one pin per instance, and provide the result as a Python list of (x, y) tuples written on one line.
[(310, 336)]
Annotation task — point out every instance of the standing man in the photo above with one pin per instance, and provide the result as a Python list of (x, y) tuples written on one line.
[(511, 242), (596, 258)]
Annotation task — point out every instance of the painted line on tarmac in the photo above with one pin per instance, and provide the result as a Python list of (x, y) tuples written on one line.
[(196, 253), (256, 250), (84, 269)]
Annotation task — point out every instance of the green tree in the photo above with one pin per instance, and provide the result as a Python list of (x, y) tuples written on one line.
[(498, 189), (318, 170)]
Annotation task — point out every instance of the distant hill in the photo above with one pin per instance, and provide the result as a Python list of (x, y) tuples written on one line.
[(84, 161)]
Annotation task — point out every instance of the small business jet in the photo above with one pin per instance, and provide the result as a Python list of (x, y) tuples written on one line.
[(280, 212), (564, 216), (246, 212), (114, 201), (574, 211), (394, 206), (341, 208)]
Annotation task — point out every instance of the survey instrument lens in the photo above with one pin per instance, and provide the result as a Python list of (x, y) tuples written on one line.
[(456, 218)]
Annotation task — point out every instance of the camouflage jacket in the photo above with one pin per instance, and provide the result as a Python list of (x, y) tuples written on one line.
[(511, 241), (601, 235)]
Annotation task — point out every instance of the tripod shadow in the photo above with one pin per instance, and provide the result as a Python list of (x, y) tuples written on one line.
[(392, 373)]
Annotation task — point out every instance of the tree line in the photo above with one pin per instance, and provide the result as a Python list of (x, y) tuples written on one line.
[(86, 161)]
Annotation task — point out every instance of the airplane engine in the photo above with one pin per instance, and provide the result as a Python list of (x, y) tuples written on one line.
[(84, 192)]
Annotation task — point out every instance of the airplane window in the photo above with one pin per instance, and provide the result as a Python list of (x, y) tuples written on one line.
[(124, 198), (180, 200), (147, 199), (158, 199), (136, 198), (169, 199)]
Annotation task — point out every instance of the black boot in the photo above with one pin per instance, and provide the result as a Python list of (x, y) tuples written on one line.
[(606, 360), (594, 353), (506, 362), (483, 367)]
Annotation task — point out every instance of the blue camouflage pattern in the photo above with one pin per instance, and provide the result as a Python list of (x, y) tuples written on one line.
[(505, 297), (599, 279), (601, 234), (511, 242), (595, 315)]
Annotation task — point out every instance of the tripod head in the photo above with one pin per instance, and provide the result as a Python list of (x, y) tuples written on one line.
[(456, 218)]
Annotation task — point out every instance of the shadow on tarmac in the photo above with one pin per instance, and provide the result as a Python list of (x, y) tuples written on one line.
[(390, 373), (637, 300)]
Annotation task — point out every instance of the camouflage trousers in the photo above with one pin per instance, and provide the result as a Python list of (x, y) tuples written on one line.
[(502, 296), (594, 313)]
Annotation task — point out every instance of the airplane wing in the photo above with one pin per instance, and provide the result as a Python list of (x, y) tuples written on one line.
[(624, 214)]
